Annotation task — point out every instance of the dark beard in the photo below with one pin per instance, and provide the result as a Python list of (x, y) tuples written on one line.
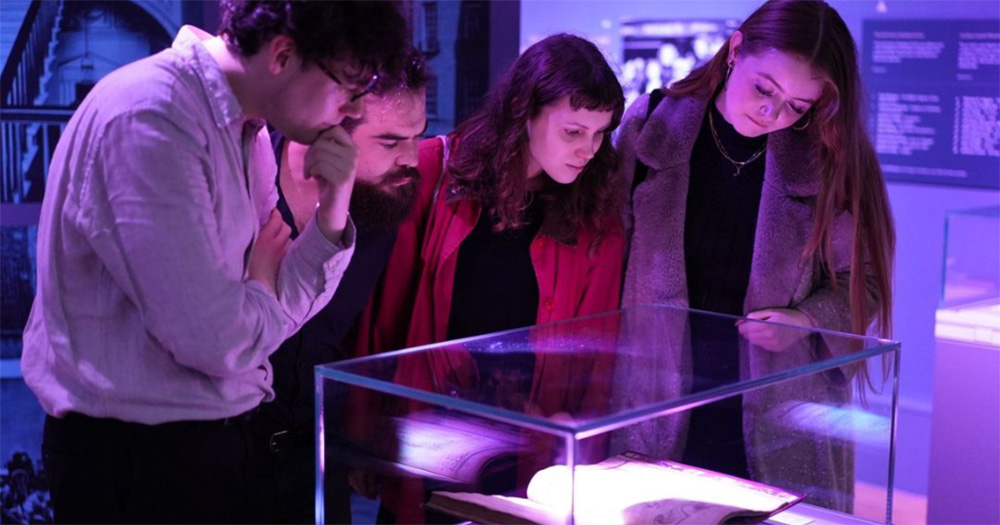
[(383, 206)]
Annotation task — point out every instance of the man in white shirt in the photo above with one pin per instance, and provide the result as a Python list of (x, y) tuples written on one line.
[(166, 278)]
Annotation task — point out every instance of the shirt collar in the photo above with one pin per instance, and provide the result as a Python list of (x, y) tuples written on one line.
[(226, 109)]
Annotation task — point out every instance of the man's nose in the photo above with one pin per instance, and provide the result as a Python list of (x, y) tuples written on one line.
[(353, 108), (409, 156)]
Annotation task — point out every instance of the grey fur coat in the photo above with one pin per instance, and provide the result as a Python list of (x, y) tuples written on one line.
[(778, 452)]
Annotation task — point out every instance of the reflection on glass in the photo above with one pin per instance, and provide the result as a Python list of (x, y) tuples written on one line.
[(970, 299), (485, 415)]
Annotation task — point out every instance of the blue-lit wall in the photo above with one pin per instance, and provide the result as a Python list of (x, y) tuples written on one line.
[(919, 209)]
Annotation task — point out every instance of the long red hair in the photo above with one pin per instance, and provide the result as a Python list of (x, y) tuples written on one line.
[(851, 177)]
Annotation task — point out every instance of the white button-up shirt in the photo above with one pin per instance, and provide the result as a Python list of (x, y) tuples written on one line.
[(156, 193)]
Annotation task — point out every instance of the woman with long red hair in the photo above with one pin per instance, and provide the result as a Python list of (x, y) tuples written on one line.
[(756, 192)]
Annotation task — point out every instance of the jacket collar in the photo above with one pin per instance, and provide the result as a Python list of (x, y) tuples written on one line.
[(668, 136), (550, 228)]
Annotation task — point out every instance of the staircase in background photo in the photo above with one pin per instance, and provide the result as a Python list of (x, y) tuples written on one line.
[(26, 69), (11, 17)]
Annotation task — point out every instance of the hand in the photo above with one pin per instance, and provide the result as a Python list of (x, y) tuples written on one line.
[(363, 482), (562, 417), (333, 161), (772, 337), (267, 252)]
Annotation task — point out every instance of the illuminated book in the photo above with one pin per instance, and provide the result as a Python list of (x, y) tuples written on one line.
[(436, 445), (457, 450), (625, 489)]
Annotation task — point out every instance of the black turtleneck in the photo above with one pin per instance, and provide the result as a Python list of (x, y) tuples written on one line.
[(495, 284), (721, 217), (496, 289), (719, 231)]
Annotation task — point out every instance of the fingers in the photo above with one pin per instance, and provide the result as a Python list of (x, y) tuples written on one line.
[(761, 338), (561, 417), (275, 235), (320, 163), (337, 135), (275, 228), (751, 330), (334, 141), (268, 251), (333, 156), (272, 220), (759, 315), (774, 337)]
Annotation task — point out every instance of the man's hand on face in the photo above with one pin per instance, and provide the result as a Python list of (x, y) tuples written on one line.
[(332, 160)]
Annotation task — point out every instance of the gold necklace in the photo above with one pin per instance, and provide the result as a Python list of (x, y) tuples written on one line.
[(718, 143)]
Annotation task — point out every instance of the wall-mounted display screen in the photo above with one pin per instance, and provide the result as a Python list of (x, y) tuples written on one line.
[(934, 91), (660, 52)]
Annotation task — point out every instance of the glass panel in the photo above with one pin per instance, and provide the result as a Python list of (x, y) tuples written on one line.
[(617, 367), (582, 400), (970, 293)]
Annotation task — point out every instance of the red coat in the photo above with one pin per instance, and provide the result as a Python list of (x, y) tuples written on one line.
[(417, 285), (412, 305)]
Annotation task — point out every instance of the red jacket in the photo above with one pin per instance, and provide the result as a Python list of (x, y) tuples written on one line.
[(416, 288), (412, 305)]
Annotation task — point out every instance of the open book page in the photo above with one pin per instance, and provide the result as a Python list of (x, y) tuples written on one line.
[(633, 479), (631, 488), (453, 448), (501, 510)]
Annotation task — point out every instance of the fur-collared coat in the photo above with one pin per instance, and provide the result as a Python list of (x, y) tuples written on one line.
[(779, 450)]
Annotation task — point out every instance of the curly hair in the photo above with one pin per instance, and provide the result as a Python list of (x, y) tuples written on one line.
[(370, 35), (489, 161)]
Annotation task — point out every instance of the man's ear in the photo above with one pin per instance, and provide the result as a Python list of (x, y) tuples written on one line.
[(281, 53)]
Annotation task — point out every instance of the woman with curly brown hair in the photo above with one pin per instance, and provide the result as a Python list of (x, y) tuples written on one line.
[(517, 223), (524, 229)]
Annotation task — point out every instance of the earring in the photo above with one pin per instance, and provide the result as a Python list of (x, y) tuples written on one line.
[(806, 125), (729, 72)]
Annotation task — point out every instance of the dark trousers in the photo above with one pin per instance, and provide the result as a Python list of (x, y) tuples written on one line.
[(111, 471), (284, 483)]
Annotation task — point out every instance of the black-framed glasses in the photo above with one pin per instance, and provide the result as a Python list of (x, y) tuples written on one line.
[(362, 91)]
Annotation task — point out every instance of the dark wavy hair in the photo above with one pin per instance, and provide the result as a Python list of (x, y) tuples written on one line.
[(490, 158), (369, 35)]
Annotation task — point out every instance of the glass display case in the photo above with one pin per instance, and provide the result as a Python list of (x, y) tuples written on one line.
[(970, 291), (964, 475), (648, 415)]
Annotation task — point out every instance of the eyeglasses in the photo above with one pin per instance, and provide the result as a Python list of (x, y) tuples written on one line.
[(360, 92)]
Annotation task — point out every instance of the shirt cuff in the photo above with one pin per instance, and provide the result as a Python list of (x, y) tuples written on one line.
[(318, 250)]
